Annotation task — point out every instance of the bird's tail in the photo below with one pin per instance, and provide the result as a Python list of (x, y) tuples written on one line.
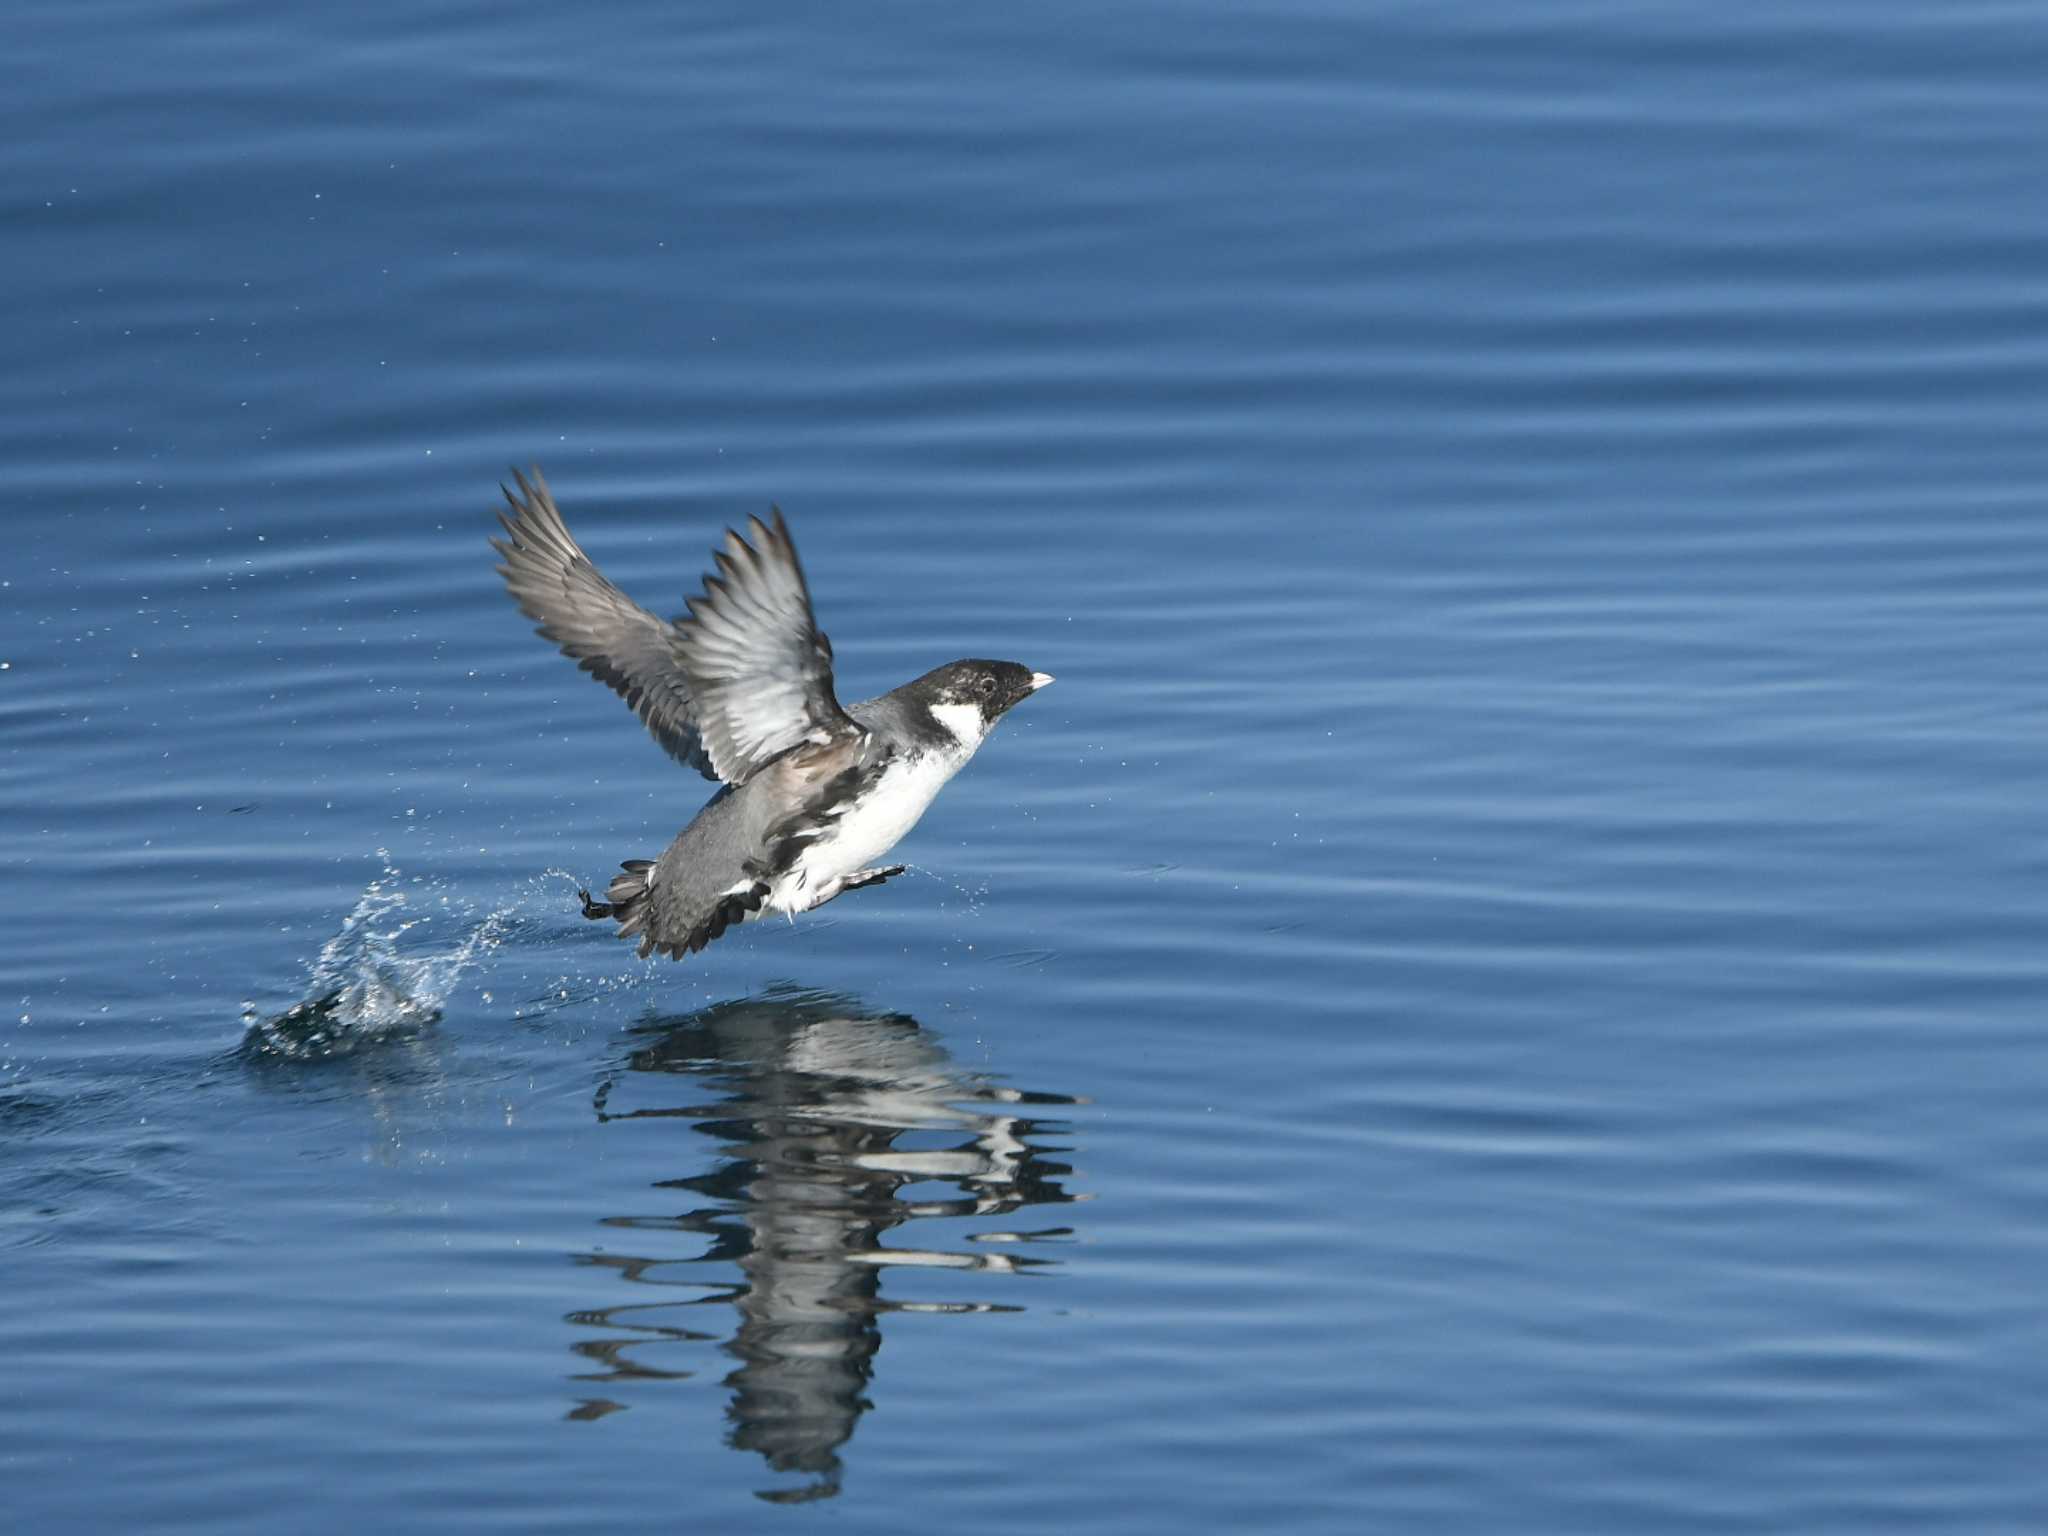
[(660, 921)]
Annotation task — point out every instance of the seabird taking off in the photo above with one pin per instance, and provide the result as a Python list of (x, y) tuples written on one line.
[(740, 689)]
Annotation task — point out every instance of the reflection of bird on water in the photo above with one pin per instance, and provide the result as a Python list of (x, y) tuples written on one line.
[(827, 1117)]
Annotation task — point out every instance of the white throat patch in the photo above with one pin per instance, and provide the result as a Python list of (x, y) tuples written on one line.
[(961, 721)]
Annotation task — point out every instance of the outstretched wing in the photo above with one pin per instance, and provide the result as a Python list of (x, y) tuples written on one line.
[(612, 637), (758, 672)]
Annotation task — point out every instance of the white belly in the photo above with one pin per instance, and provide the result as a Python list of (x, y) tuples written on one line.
[(866, 831)]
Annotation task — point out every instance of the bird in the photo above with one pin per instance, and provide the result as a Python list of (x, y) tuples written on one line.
[(812, 793)]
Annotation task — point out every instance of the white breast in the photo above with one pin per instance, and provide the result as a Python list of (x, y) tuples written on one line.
[(869, 828)]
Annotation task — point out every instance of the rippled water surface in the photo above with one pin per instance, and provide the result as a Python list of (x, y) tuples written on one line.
[(1502, 991)]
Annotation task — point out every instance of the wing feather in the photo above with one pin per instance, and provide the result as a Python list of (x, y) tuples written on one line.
[(614, 639), (757, 669)]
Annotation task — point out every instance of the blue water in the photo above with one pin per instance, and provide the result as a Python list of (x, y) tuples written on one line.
[(1501, 992)]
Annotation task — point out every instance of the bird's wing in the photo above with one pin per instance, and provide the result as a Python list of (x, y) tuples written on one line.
[(621, 644), (758, 671)]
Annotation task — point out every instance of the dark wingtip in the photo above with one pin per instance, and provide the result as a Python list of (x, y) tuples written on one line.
[(533, 487), (788, 541)]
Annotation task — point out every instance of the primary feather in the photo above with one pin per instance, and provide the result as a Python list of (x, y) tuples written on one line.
[(614, 639), (758, 670)]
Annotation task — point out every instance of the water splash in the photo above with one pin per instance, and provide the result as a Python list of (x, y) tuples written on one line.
[(972, 896), (385, 972)]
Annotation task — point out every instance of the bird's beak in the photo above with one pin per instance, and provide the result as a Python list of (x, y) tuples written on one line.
[(1039, 680)]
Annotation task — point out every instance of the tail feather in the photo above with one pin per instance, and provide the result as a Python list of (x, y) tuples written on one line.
[(630, 901)]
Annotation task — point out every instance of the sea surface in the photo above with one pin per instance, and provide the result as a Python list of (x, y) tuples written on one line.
[(1504, 990)]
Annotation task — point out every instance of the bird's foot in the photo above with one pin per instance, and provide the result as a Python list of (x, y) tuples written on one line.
[(866, 877), (594, 909)]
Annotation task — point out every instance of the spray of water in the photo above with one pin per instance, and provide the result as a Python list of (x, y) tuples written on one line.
[(387, 971)]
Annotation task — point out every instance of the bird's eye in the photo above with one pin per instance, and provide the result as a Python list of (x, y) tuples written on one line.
[(985, 686)]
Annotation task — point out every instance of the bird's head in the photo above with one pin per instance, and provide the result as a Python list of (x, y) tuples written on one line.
[(969, 697)]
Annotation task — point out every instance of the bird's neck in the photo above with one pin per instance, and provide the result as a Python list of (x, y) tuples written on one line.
[(961, 724)]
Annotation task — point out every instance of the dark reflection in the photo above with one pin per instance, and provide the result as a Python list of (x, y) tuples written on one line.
[(835, 1126)]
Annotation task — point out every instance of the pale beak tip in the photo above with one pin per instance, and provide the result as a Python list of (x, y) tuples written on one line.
[(1040, 679)]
